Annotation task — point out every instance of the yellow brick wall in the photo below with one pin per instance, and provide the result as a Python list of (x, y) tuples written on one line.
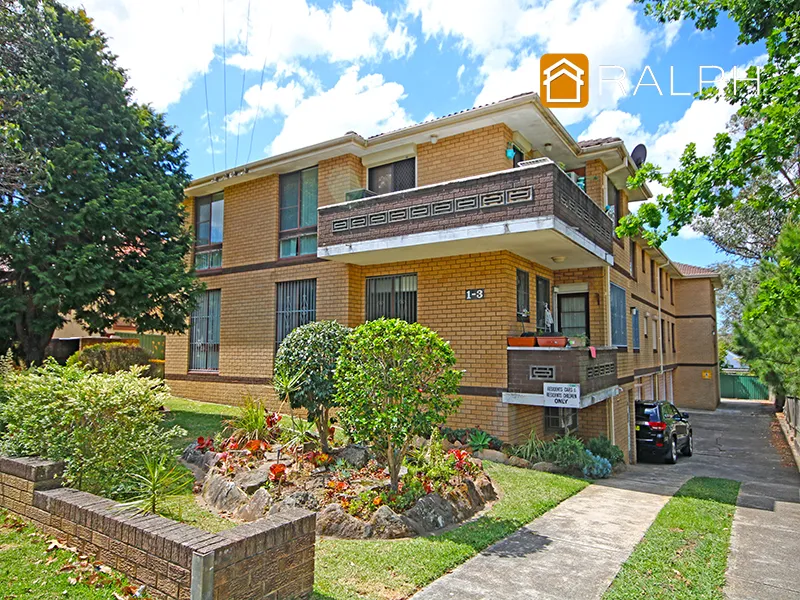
[(338, 176), (464, 155), (595, 277), (596, 181)]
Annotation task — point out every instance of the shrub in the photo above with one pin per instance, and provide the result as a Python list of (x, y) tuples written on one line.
[(565, 451), (158, 481), (464, 435), (602, 446), (395, 381), (479, 440), (596, 467), (296, 432), (111, 357), (312, 349), (253, 421), (99, 424)]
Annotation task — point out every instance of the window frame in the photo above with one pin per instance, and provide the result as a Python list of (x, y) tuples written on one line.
[(652, 276), (524, 295), (393, 164), (300, 231), (617, 201), (623, 311), (585, 296), (655, 334), (297, 311), (549, 302), (672, 326), (549, 416), (632, 265), (209, 322), (393, 303), (212, 247), (636, 330), (644, 261)]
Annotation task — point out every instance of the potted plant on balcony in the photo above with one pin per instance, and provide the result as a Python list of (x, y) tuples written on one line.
[(528, 338), (578, 341)]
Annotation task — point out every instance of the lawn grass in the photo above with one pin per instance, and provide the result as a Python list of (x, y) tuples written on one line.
[(197, 418), (28, 570), (395, 569), (684, 553)]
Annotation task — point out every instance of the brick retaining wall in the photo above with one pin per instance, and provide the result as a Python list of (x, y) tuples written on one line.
[(272, 558)]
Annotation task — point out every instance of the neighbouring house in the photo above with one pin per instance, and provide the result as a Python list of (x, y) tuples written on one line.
[(473, 224)]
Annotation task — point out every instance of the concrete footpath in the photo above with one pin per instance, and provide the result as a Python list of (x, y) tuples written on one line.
[(573, 551), (576, 549)]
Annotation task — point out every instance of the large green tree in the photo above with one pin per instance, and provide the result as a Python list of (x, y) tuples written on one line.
[(101, 234)]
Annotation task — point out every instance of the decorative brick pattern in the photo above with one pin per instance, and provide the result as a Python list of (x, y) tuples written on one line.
[(494, 198), (272, 558), (571, 365)]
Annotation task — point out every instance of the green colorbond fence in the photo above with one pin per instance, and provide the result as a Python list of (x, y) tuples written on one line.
[(743, 387), (154, 344)]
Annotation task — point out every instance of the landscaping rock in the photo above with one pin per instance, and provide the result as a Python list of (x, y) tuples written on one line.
[(256, 507), (356, 455), (516, 461), (547, 467), (389, 525), (301, 499), (430, 512), (251, 481), (334, 521), (485, 488), (492, 455), (222, 494), (199, 458)]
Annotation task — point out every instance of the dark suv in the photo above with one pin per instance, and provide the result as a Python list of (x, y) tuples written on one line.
[(662, 430)]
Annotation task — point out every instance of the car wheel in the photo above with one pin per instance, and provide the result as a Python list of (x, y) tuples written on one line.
[(672, 452), (688, 450)]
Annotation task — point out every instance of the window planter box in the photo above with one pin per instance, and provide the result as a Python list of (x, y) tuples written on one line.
[(522, 342)]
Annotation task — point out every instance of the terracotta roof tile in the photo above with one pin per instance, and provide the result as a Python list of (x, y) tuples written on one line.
[(693, 271), (598, 142)]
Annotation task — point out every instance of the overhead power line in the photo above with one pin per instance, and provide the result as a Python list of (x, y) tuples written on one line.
[(258, 104), (244, 77)]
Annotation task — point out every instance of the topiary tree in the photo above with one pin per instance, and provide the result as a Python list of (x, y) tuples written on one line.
[(395, 381), (111, 357), (311, 350)]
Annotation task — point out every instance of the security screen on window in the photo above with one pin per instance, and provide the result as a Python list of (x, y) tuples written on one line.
[(393, 177)]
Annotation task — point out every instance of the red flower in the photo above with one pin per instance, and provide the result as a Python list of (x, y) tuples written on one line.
[(277, 472)]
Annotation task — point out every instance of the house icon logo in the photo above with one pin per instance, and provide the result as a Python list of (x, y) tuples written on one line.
[(564, 80)]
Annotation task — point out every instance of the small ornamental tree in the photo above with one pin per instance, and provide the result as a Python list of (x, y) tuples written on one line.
[(395, 381), (312, 350)]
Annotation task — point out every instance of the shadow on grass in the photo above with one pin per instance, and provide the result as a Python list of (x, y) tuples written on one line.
[(196, 425), (723, 491)]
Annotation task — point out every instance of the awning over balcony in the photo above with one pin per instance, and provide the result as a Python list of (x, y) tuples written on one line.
[(535, 211)]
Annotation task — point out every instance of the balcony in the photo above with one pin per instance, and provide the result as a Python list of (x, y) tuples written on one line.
[(529, 369), (535, 211)]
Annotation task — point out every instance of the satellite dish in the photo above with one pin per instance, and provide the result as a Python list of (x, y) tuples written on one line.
[(639, 155)]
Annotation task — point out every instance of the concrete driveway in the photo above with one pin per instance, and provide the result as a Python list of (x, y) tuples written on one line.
[(576, 549), (741, 440)]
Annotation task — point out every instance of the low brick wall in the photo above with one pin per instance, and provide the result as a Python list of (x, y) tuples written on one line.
[(272, 558)]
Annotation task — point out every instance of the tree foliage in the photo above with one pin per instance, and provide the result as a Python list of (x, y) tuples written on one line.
[(313, 350), (101, 235), (761, 157), (395, 381), (739, 286)]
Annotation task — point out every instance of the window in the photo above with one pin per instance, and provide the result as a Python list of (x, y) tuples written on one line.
[(560, 420), (671, 296), (543, 322), (393, 177), (573, 314), (393, 297), (632, 265), (663, 335), (209, 216), (523, 296), (652, 276), (619, 317), (298, 213), (644, 261), (673, 336), (655, 334), (635, 328), (204, 333), (662, 282), (296, 305)]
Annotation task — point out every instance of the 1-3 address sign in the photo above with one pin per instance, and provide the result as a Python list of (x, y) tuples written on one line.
[(476, 294)]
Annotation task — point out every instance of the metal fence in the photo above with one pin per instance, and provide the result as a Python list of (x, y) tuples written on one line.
[(154, 344), (742, 387), (791, 410)]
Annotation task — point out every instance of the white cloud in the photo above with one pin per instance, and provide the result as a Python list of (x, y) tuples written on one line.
[(267, 100), (671, 31), (367, 105), (164, 46), (460, 72)]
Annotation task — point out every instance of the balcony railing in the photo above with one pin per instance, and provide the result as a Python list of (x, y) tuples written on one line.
[(530, 368), (531, 191)]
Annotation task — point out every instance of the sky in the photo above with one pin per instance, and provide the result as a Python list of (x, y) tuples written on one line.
[(245, 79)]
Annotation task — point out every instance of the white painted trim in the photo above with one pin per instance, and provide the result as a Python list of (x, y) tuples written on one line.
[(467, 232), (587, 400)]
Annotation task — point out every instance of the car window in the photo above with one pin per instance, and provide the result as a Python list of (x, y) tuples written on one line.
[(675, 409), (669, 411), (645, 412)]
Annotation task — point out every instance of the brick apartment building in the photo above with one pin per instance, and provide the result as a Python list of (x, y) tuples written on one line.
[(463, 224)]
